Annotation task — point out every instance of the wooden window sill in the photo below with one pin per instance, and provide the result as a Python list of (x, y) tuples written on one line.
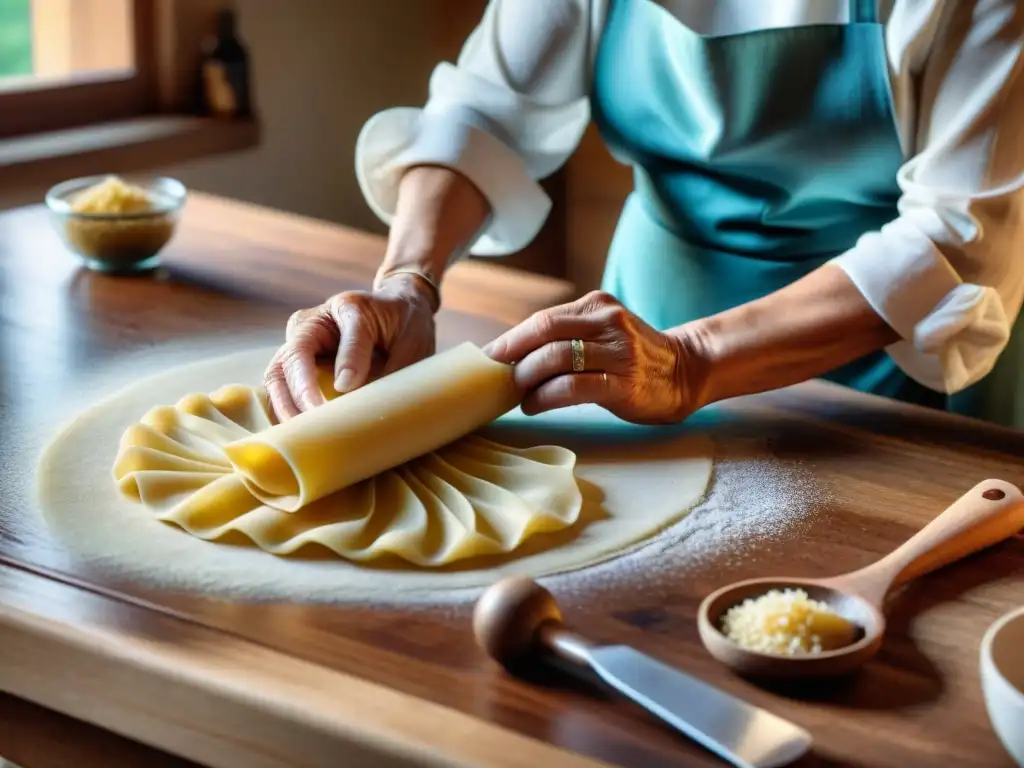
[(31, 164)]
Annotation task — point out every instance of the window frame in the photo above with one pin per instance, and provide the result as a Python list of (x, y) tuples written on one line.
[(90, 99)]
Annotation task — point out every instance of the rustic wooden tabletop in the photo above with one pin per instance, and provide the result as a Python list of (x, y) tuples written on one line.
[(123, 656)]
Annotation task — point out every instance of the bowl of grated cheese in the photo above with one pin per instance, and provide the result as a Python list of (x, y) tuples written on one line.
[(789, 628), (1002, 681), (117, 225)]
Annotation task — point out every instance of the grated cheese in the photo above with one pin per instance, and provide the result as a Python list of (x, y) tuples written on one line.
[(112, 195), (787, 622)]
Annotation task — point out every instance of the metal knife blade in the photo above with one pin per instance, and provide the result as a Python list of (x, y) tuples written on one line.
[(745, 735)]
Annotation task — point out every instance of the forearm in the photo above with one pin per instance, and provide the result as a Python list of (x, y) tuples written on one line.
[(807, 329), (439, 212)]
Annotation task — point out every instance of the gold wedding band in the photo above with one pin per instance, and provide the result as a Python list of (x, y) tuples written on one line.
[(578, 364)]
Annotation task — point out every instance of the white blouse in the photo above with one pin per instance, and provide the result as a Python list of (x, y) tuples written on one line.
[(947, 273)]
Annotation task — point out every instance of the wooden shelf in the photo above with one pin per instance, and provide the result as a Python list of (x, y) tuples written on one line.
[(31, 164)]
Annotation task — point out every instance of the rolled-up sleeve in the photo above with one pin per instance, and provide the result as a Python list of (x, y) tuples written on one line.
[(948, 273), (508, 113)]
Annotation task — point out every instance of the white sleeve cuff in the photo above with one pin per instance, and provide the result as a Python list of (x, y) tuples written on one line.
[(456, 138), (951, 333)]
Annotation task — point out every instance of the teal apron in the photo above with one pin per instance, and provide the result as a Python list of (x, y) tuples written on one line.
[(757, 158)]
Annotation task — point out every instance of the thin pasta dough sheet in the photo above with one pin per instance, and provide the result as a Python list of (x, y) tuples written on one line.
[(469, 498), (636, 482)]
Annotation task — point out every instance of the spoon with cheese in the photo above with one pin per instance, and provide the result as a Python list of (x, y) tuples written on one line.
[(804, 628)]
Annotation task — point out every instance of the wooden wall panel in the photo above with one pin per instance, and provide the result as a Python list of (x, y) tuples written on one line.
[(596, 187)]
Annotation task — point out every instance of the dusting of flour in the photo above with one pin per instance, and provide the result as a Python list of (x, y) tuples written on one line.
[(750, 504)]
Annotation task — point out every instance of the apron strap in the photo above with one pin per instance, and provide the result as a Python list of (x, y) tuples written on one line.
[(863, 11)]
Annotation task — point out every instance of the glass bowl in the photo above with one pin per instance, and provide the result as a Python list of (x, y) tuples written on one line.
[(118, 243)]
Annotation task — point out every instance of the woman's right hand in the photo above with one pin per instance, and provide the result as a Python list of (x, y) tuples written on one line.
[(439, 212), (395, 322)]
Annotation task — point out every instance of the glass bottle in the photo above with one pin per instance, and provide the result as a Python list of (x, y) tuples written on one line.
[(224, 72)]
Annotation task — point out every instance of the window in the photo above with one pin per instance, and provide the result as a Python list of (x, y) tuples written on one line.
[(65, 63), (15, 39), (87, 86)]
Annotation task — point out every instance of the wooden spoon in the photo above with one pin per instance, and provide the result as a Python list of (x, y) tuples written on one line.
[(989, 513)]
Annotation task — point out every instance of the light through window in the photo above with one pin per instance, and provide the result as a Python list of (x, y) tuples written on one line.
[(45, 43), (15, 38)]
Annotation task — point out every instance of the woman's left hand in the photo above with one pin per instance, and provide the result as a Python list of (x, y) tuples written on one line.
[(629, 368)]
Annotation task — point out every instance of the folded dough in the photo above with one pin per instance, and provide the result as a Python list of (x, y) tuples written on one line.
[(468, 498), (395, 419)]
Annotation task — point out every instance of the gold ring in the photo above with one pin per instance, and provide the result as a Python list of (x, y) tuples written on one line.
[(577, 356)]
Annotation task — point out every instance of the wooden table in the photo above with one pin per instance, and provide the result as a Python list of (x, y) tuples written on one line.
[(181, 671)]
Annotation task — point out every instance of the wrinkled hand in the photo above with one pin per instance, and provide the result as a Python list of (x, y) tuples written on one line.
[(632, 370), (368, 334)]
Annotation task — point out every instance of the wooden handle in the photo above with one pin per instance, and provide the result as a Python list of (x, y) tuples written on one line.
[(989, 513)]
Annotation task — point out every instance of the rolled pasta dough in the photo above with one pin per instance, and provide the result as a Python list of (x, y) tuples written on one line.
[(377, 427), (370, 486)]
